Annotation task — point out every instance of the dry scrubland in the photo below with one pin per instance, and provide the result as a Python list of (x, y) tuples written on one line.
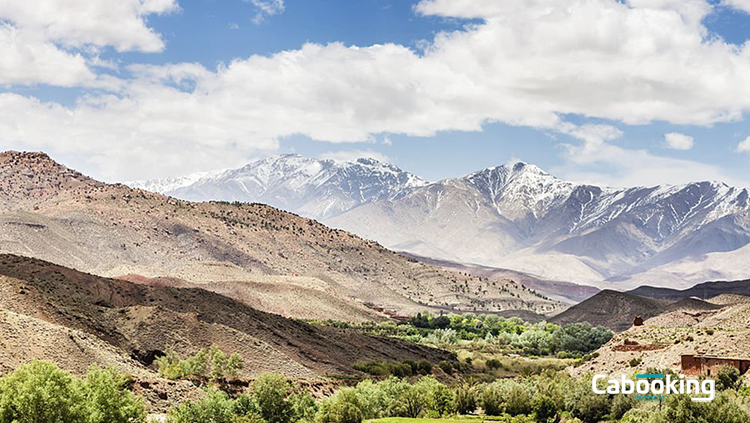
[(253, 252)]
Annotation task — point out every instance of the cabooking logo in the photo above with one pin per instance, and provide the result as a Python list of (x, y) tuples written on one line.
[(653, 387)]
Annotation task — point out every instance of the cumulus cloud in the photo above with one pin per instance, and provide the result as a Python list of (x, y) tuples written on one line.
[(526, 63), (677, 141), (741, 5), (41, 41), (602, 163), (744, 146)]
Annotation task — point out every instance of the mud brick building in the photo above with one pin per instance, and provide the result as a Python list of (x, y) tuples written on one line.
[(708, 365)]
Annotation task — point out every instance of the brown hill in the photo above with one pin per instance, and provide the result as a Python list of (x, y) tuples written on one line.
[(705, 290), (77, 319), (565, 292), (611, 309), (252, 252)]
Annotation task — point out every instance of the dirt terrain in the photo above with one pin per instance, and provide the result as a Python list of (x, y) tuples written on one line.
[(720, 327), (139, 320), (274, 260), (611, 309)]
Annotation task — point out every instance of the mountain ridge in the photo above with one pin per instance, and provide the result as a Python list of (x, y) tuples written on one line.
[(273, 260), (517, 216)]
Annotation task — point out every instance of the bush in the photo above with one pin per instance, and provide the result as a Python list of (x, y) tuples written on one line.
[(728, 377), (39, 392), (343, 407), (272, 392), (545, 409), (107, 399), (466, 399), (506, 396), (493, 364), (621, 404), (592, 408), (446, 367), (215, 408), (212, 365)]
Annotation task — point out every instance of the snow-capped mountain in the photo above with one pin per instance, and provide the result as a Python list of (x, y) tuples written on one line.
[(514, 216), (315, 188), (519, 217)]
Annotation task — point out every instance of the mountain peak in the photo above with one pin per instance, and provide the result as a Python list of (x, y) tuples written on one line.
[(28, 177)]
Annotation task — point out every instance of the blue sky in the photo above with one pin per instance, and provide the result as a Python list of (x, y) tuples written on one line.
[(455, 86)]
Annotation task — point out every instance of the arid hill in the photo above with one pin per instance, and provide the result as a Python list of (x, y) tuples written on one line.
[(618, 310), (565, 292), (115, 322), (268, 258), (704, 290), (718, 327), (611, 309)]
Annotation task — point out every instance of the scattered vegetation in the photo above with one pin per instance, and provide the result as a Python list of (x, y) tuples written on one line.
[(206, 366), (39, 392)]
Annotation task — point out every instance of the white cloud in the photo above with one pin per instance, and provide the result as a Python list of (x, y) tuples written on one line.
[(677, 141), (266, 8), (41, 41), (597, 162), (744, 146), (528, 63), (742, 5), (28, 59), (356, 154)]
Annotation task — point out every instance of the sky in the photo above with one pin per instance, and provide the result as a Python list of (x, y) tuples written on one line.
[(618, 93)]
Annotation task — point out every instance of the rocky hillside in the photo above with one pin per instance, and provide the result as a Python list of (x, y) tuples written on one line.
[(718, 327), (141, 320), (77, 319), (274, 260)]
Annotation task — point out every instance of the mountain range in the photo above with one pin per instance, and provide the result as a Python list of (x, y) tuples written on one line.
[(515, 216), (267, 258)]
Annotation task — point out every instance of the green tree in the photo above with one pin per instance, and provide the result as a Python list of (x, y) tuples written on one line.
[(218, 363), (108, 401), (39, 392), (234, 365), (728, 377), (272, 392), (216, 407)]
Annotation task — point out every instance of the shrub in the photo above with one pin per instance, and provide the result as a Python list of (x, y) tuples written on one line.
[(272, 392), (634, 362), (493, 364), (342, 407), (621, 404), (39, 392), (215, 408), (108, 401), (592, 408), (545, 409), (466, 399), (728, 377), (446, 367), (205, 365)]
